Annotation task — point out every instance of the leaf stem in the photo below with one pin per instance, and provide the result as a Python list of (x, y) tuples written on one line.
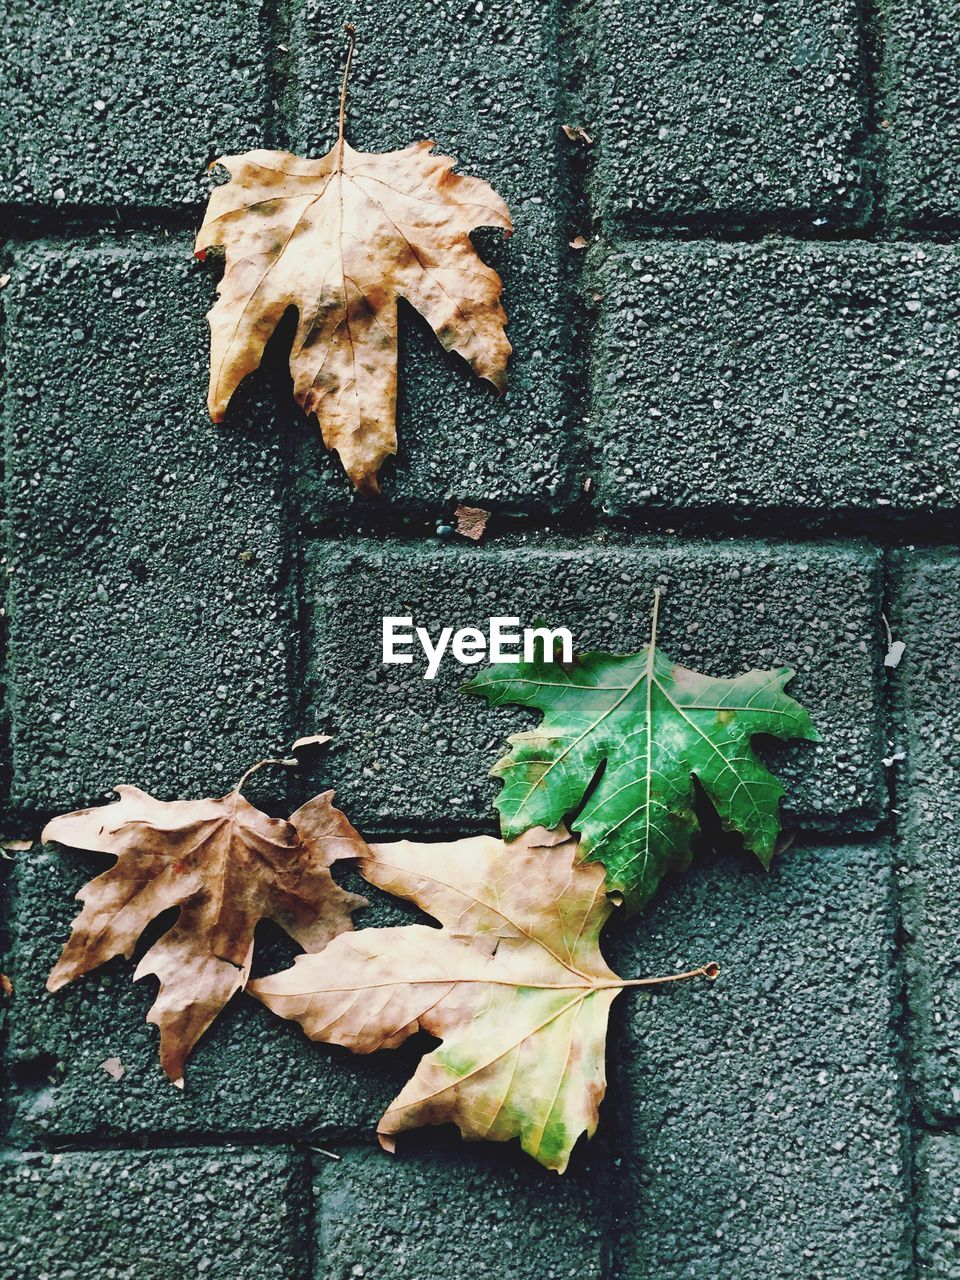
[(289, 763), (656, 617), (705, 971), (886, 627), (351, 31), (587, 986)]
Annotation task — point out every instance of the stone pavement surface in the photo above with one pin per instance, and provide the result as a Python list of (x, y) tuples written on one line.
[(746, 392)]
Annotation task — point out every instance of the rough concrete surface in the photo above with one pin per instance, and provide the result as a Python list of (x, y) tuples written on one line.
[(928, 733), (740, 110), (775, 1092), (809, 377), (443, 1209), (739, 383), (149, 614), (150, 1215), (921, 117), (938, 1243), (127, 103)]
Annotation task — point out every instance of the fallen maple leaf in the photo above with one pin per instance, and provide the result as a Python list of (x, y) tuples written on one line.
[(642, 727), (227, 866), (341, 239), (514, 985)]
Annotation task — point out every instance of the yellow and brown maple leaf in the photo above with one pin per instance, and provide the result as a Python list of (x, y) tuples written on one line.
[(227, 866), (340, 239), (513, 984)]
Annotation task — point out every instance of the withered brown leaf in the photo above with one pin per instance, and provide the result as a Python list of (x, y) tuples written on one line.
[(227, 866), (340, 239)]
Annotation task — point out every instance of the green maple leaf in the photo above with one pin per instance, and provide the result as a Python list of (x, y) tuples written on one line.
[(621, 741)]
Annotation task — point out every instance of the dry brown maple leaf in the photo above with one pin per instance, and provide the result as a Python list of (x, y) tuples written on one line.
[(513, 984), (341, 239), (227, 866)]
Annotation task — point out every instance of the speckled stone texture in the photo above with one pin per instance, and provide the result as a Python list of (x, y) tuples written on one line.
[(772, 1097), (927, 620), (152, 1215), (921, 112), (443, 1209), (149, 617), (938, 1179), (726, 608), (741, 110), (810, 378), (125, 103), (745, 391)]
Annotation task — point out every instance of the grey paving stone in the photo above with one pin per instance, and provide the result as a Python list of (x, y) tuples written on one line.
[(927, 620), (938, 1227), (120, 104), (409, 751), (479, 81), (922, 118), (761, 1119), (151, 1215), (252, 1074), (4, 718), (779, 377), (744, 110), (149, 622), (479, 1211)]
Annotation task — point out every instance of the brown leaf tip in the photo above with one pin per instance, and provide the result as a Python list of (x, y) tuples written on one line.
[(711, 971)]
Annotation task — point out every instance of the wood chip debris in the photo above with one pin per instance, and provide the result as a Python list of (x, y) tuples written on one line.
[(313, 740), (577, 133), (894, 653), (471, 522)]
